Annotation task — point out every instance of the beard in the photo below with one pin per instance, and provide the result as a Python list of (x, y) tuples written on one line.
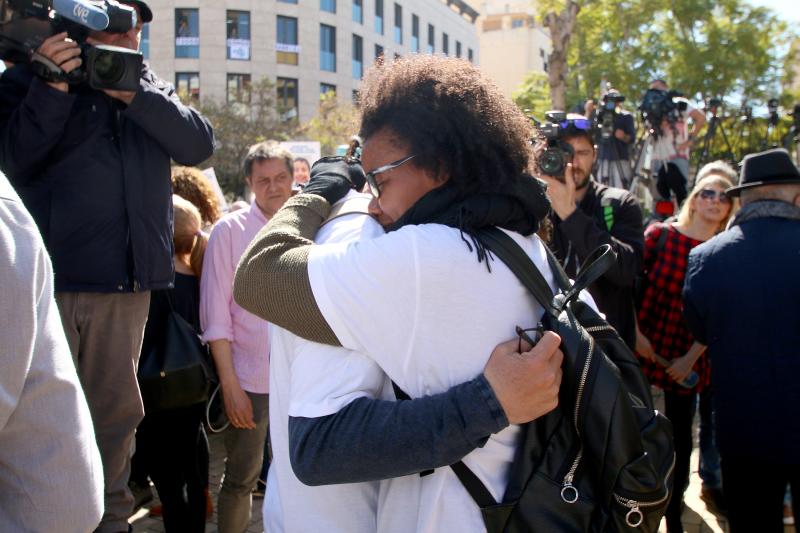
[(581, 178)]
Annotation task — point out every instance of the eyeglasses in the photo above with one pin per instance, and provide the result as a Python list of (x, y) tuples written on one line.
[(577, 123), (529, 335), (374, 187), (711, 194)]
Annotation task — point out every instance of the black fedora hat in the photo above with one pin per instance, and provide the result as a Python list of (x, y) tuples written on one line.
[(773, 167)]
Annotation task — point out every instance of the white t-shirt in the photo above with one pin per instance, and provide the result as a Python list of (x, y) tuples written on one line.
[(312, 380), (418, 302), (673, 135)]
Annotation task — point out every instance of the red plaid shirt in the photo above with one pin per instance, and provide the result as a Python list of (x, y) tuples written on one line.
[(661, 313)]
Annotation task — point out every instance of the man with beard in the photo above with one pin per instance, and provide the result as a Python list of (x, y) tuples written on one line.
[(587, 215)]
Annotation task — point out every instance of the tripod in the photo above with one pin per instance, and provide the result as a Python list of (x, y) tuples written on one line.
[(714, 124), (609, 160), (747, 132)]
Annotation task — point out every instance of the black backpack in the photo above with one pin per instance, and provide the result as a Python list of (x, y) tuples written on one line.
[(602, 461)]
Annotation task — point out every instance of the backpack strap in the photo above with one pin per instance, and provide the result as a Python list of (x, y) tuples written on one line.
[(353, 204)]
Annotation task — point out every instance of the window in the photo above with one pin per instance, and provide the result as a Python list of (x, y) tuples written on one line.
[(187, 33), (188, 85), (287, 97), (431, 39), (445, 44), (398, 24), (378, 52), (414, 33), (358, 56), (379, 16), (517, 23), (288, 1), (469, 54), (239, 88), (327, 48), (238, 27), (355, 96), (325, 88), (286, 48), (458, 48), (328, 5), (358, 11), (144, 45)]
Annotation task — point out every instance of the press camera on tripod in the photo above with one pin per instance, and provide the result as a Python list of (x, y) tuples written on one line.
[(25, 24)]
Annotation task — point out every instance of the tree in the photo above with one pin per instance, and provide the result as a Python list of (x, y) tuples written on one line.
[(334, 124), (561, 24), (239, 125), (533, 96)]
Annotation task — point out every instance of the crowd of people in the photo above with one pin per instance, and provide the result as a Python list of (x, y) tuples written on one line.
[(342, 287)]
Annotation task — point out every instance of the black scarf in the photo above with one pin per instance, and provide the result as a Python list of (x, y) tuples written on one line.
[(518, 207)]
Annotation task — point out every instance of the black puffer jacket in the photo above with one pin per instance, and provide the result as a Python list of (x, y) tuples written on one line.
[(95, 175)]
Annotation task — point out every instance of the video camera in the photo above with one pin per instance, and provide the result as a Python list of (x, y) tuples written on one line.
[(25, 24), (557, 153), (605, 116), (658, 105)]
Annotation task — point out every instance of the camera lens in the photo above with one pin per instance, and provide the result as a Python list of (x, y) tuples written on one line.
[(551, 163), (108, 67)]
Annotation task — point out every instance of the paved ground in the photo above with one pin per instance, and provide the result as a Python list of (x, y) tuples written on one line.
[(696, 518)]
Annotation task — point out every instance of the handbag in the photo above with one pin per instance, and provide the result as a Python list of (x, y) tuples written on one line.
[(176, 371)]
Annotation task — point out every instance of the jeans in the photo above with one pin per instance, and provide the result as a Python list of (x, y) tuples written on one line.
[(243, 456), (709, 455), (679, 408)]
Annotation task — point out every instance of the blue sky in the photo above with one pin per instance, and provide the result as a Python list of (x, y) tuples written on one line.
[(788, 10)]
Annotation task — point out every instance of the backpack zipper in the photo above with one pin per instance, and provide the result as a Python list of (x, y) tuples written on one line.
[(569, 493), (634, 517)]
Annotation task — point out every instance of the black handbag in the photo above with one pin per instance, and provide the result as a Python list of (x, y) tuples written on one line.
[(176, 370)]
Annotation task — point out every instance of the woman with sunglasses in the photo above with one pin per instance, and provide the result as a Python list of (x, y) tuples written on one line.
[(661, 329)]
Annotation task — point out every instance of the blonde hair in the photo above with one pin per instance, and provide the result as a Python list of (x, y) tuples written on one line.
[(187, 233), (709, 178)]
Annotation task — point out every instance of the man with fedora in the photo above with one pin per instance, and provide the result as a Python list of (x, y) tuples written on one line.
[(742, 299), (93, 169)]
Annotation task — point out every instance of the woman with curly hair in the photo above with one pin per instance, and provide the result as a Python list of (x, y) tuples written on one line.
[(191, 184), (661, 328), (446, 155)]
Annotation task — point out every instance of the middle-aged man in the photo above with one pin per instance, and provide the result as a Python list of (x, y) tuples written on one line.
[(93, 168), (239, 340), (51, 477), (425, 300), (742, 299), (587, 215)]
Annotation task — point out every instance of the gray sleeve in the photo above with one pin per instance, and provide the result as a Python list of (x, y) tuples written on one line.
[(376, 439)]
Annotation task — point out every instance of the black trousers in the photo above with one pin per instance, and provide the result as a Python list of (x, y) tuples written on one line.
[(679, 408), (754, 492), (173, 446)]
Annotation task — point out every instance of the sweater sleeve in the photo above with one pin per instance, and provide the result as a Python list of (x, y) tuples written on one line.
[(374, 439), (272, 279)]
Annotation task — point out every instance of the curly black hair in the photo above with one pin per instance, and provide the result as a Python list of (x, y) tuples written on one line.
[(454, 119)]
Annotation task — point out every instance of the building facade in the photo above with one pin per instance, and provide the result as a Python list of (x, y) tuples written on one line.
[(216, 49), (512, 42)]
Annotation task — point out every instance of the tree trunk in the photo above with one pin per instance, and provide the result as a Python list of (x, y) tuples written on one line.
[(561, 27)]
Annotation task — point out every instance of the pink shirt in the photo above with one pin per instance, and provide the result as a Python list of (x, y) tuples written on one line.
[(220, 316)]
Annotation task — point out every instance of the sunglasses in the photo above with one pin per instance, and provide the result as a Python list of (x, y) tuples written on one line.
[(578, 123), (374, 187), (711, 194)]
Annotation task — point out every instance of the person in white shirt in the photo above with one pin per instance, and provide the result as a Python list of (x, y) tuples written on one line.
[(425, 301)]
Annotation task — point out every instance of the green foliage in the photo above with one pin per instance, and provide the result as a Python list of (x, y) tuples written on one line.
[(334, 124), (239, 125), (533, 96)]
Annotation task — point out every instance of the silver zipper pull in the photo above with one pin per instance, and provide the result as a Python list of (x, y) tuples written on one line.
[(569, 492), (634, 517)]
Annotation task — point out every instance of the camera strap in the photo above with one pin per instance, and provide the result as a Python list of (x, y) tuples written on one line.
[(46, 69)]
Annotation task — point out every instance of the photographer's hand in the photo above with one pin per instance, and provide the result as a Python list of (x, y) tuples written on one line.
[(621, 135), (561, 194), (64, 52), (122, 96)]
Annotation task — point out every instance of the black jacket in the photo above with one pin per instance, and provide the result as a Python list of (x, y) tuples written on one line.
[(742, 299), (95, 175), (591, 226)]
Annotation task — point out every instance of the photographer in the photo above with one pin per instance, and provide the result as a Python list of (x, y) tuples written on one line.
[(586, 215), (617, 132), (673, 144), (93, 168)]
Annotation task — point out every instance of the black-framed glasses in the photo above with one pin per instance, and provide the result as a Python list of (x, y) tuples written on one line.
[(374, 188), (530, 335), (711, 194)]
